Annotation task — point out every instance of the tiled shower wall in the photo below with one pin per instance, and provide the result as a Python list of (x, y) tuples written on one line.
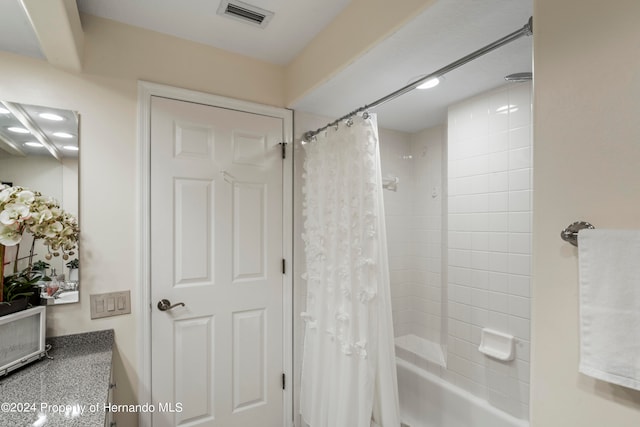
[(487, 239), (489, 242), (413, 213)]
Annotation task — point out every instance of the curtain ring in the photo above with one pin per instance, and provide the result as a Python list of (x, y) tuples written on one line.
[(365, 115), (349, 122)]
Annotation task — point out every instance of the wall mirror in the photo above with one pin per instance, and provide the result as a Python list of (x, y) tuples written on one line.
[(39, 150)]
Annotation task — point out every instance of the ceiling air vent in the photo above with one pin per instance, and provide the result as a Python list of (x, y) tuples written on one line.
[(245, 12)]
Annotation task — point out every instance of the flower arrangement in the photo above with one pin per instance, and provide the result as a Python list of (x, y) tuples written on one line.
[(23, 210)]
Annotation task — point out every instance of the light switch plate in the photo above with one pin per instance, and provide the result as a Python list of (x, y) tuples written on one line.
[(110, 304)]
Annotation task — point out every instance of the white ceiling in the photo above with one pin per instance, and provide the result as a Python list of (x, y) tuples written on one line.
[(444, 32), (16, 33), (292, 27)]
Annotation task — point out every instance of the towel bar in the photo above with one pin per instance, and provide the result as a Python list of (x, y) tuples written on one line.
[(570, 234)]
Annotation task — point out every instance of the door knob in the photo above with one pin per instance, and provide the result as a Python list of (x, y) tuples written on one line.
[(165, 304)]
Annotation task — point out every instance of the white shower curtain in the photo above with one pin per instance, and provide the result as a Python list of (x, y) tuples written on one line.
[(348, 367)]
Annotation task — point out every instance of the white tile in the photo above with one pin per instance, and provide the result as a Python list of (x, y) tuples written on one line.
[(480, 260), (460, 258), (519, 180), (499, 302), (520, 264), (476, 334), (459, 275), (498, 242), (480, 203), (477, 143), (480, 298), (519, 222), (498, 142), (457, 364), (499, 282), (519, 285), (498, 321), (498, 181), (478, 373), (480, 241), (520, 200), (520, 97), (479, 165), (499, 202), (479, 222), (479, 184), (460, 294), (479, 316), (523, 396), (499, 161), (461, 330), (520, 158), (497, 381), (498, 222), (519, 138), (520, 327), (519, 306), (498, 118), (523, 350), (522, 371), (480, 279)]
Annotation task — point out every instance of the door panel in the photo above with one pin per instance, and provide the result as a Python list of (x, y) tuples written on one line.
[(216, 246)]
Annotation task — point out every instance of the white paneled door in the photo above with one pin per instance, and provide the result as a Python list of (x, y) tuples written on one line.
[(216, 266)]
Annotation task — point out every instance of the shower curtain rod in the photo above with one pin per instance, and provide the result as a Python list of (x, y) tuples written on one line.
[(526, 30)]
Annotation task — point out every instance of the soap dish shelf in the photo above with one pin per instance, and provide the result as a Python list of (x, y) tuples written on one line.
[(497, 345)]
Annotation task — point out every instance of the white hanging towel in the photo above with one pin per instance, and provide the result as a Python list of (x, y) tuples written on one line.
[(609, 267)]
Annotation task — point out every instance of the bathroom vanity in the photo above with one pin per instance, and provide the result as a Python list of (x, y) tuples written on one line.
[(71, 389)]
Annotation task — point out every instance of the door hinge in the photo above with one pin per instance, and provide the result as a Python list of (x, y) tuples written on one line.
[(284, 381), (283, 147), (284, 266)]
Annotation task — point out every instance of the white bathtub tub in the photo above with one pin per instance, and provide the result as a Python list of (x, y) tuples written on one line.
[(426, 400)]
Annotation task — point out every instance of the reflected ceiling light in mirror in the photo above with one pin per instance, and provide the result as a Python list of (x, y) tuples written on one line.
[(16, 129), (33, 144), (51, 116), (70, 147), (431, 83), (4, 110), (62, 135)]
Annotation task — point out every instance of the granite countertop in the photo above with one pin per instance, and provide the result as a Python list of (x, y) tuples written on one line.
[(69, 390)]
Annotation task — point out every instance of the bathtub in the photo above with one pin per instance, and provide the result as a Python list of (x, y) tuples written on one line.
[(426, 400)]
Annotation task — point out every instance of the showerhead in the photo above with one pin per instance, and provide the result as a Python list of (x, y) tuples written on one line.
[(519, 77)]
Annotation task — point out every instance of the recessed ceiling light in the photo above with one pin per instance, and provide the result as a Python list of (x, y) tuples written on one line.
[(62, 135), (33, 144), (16, 129), (429, 83), (70, 147), (4, 111), (51, 116)]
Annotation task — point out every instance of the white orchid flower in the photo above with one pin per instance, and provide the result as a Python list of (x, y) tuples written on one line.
[(13, 213), (43, 215), (10, 235), (24, 210), (6, 193), (52, 230), (25, 197)]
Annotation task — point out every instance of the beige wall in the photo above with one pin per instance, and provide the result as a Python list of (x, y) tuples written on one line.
[(587, 154), (105, 94), (587, 167)]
